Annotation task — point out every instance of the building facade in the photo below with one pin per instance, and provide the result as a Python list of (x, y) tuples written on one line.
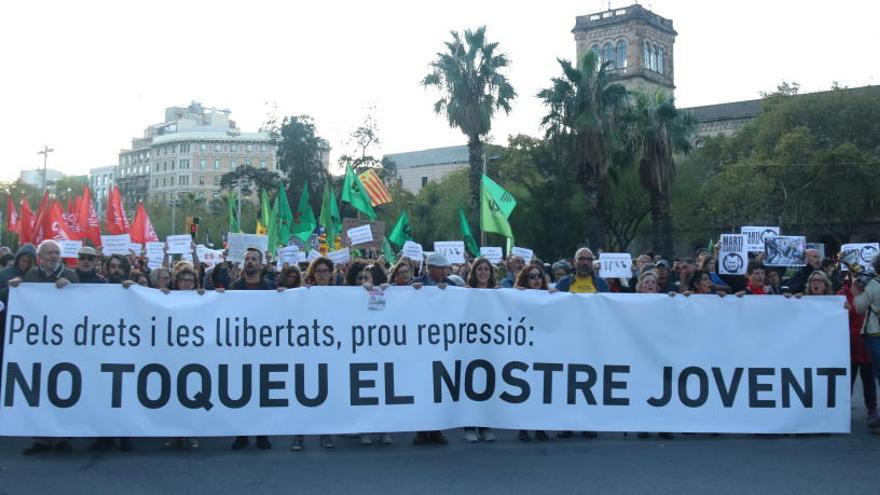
[(416, 168), (34, 177), (101, 181), (188, 153)]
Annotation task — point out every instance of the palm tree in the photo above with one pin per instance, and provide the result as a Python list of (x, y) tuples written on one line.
[(472, 87), (585, 106), (656, 130)]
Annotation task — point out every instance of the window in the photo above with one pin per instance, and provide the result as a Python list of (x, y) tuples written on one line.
[(250, 148), (183, 164), (203, 147), (262, 163), (155, 183), (646, 56), (264, 148), (654, 57), (233, 147), (203, 164), (247, 162), (216, 164), (621, 54), (217, 148), (660, 60), (171, 182), (164, 181), (216, 180), (201, 180), (184, 180), (424, 181), (184, 148), (232, 164), (608, 55)]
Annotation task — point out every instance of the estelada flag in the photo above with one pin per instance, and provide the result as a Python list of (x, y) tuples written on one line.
[(87, 218), (116, 223), (376, 189), (142, 228), (12, 216), (25, 223)]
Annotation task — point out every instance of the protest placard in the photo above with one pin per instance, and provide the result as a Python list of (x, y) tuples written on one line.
[(179, 244), (136, 248), (453, 251), (525, 253), (733, 257), (340, 256), (238, 243), (785, 250), (377, 230), (755, 237), (360, 235), (492, 253), (615, 265), (313, 255), (413, 251), (155, 254), (864, 254), (290, 255), (70, 249), (115, 244)]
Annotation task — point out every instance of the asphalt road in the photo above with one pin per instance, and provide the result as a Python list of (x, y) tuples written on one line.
[(611, 463)]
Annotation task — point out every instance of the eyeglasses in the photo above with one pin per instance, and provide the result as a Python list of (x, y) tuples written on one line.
[(535, 276), (86, 257)]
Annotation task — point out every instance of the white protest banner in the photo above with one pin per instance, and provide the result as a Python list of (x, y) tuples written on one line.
[(115, 244), (413, 251), (239, 243), (70, 249), (289, 255), (525, 253), (755, 237), (861, 253), (615, 265), (322, 361), (785, 250), (155, 254), (733, 257), (492, 253), (179, 244), (360, 235), (340, 256), (453, 251)]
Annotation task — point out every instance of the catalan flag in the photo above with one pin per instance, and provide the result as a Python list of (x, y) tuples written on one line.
[(376, 190)]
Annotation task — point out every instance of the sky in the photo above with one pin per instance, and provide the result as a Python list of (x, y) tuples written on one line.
[(85, 77)]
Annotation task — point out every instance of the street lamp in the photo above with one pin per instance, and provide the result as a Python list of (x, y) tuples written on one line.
[(45, 152)]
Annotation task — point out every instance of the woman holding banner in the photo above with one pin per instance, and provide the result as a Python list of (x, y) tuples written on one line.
[(482, 276), (533, 277)]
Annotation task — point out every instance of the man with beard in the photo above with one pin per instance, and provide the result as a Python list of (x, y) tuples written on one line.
[(252, 279), (86, 268), (583, 280), (49, 269), (116, 268)]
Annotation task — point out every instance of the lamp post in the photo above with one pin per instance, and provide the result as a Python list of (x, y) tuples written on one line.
[(45, 152)]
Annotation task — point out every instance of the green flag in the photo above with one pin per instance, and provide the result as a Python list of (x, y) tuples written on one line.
[(265, 214), (388, 252), (232, 203), (283, 220), (496, 204), (329, 218), (304, 219), (401, 232), (273, 225), (354, 193), (469, 241)]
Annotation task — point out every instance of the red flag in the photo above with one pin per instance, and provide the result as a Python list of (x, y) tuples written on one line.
[(25, 223), (87, 218), (70, 223), (142, 228), (54, 226), (12, 216), (39, 234), (116, 223)]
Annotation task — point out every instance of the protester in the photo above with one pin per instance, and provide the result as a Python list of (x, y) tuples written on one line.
[(401, 273), (138, 277), (515, 263), (797, 284), (49, 269), (86, 268), (755, 274), (291, 278), (25, 258), (584, 279), (561, 269), (436, 272), (866, 301), (482, 274), (701, 283), (116, 268), (818, 284), (860, 360), (160, 278), (252, 279)]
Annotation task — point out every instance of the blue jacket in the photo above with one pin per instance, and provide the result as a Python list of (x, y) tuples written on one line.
[(565, 283)]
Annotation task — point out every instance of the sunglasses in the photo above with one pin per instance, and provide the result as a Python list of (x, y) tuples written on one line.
[(535, 276), (86, 257)]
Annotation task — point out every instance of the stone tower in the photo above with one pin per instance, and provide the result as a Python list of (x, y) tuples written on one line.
[(636, 41)]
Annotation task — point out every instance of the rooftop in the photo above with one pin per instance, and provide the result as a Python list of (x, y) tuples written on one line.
[(621, 15), (433, 156), (205, 135), (727, 111)]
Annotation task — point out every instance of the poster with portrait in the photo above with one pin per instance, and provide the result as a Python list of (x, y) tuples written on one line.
[(733, 255), (785, 250), (861, 253)]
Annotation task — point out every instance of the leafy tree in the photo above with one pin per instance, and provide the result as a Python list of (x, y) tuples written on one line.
[(583, 119), (263, 179), (472, 87), (301, 155)]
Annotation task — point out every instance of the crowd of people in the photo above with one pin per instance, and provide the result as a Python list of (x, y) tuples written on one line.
[(650, 274)]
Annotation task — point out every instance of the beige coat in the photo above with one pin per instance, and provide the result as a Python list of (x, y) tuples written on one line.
[(870, 299)]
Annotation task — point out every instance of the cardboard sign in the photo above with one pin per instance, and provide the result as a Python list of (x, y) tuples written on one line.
[(340, 256), (453, 251), (360, 235), (755, 237), (785, 250), (179, 244), (615, 265), (70, 249), (115, 244), (733, 256), (525, 253), (865, 253), (413, 251), (492, 253)]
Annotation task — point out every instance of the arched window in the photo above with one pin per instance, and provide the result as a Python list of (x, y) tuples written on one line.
[(654, 57), (608, 54), (621, 54), (646, 56), (595, 49), (660, 60)]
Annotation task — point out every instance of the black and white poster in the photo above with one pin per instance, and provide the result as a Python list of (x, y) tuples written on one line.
[(865, 253), (733, 257), (755, 237), (785, 250)]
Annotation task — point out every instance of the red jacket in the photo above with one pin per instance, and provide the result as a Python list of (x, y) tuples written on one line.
[(857, 352)]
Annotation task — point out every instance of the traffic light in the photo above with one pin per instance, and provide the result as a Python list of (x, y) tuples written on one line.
[(194, 226)]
